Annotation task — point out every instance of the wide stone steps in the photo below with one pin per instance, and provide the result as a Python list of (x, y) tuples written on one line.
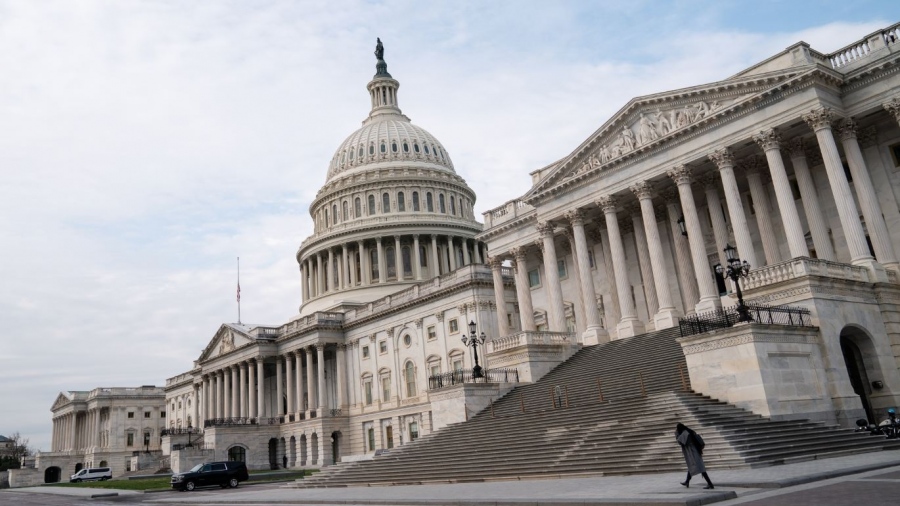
[(630, 431)]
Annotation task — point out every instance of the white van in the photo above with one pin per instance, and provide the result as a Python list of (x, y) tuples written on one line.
[(90, 474)]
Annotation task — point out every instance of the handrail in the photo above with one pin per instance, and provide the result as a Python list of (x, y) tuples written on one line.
[(728, 317), (462, 376)]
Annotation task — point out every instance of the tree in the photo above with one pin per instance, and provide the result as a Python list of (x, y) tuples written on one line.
[(11, 455)]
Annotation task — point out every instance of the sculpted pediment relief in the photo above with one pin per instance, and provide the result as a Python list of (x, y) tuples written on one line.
[(61, 400), (226, 340), (645, 121)]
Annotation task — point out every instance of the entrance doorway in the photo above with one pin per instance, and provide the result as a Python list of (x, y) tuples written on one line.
[(335, 447), (273, 453), (856, 368), (78, 467), (51, 475)]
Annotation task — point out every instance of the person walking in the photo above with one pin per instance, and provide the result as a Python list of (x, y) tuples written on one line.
[(692, 449)]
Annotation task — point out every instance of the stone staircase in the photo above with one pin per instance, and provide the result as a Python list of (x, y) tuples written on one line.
[(609, 409)]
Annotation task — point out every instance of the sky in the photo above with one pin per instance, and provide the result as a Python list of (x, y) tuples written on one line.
[(145, 145)]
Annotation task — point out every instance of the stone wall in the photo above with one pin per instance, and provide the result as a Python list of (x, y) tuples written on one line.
[(457, 403)]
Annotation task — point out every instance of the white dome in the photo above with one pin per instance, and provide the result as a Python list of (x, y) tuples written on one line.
[(388, 139)]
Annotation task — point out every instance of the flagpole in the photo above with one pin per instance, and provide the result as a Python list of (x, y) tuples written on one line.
[(239, 288)]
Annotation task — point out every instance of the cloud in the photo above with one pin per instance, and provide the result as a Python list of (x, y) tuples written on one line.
[(144, 146)]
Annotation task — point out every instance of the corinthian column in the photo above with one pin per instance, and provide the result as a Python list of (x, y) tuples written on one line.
[(382, 265), (709, 296), (594, 332), (304, 284), (820, 121), (667, 315), (320, 356), (752, 166), (770, 142), (260, 388), (435, 258), (289, 381), (629, 325), (725, 162), (243, 389), (502, 318), (556, 314), (686, 279), (416, 258), (398, 258), (251, 390), (814, 217), (310, 383), (868, 199), (643, 251), (523, 291)]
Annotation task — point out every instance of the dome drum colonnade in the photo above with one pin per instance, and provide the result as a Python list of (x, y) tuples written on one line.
[(695, 275)]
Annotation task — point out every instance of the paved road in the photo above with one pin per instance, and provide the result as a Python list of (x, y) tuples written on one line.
[(875, 488)]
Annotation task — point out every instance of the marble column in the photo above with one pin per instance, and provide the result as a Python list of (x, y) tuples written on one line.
[(260, 389), (752, 167), (243, 378), (345, 267), (311, 382), (329, 272), (382, 264), (298, 379), (556, 316), (451, 253), (628, 325), (235, 391), (868, 199), (341, 380), (770, 141), (820, 121), (643, 251), (220, 394), (709, 295), (416, 258), (398, 258), (666, 316), (251, 390), (279, 385), (363, 264), (320, 369), (477, 252), (435, 258), (465, 248), (352, 267), (227, 398), (716, 216), (594, 332), (818, 229), (611, 307), (499, 296), (289, 381), (304, 285), (320, 275), (724, 160), (523, 291)]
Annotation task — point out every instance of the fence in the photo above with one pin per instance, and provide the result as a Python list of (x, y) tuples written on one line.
[(759, 313), (468, 376)]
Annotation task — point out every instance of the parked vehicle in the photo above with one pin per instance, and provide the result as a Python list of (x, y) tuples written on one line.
[(890, 427), (223, 474), (91, 474)]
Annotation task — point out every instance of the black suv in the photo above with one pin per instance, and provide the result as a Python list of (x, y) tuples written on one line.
[(223, 474)]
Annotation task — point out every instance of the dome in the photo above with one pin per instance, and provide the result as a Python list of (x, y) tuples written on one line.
[(388, 138)]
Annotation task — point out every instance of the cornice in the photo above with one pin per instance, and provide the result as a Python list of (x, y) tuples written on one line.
[(504, 227)]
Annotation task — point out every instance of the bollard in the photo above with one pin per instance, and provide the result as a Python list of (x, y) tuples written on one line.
[(641, 379), (600, 388)]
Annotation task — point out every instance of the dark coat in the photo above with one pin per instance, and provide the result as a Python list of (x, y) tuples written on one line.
[(693, 456)]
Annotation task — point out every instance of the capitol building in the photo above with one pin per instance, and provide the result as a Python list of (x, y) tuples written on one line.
[(794, 161)]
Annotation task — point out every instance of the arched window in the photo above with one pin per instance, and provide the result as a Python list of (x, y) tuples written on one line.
[(346, 215), (373, 262), (385, 203), (361, 152), (237, 454), (357, 207), (351, 154), (383, 147), (401, 202), (429, 203), (326, 217), (452, 205), (334, 214), (394, 147), (441, 205), (416, 147), (426, 148), (405, 147), (415, 201), (410, 379), (391, 261), (371, 205), (407, 262), (423, 258)]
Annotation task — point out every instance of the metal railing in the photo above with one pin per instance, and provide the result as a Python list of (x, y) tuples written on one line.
[(225, 422), (180, 431), (467, 376), (728, 317)]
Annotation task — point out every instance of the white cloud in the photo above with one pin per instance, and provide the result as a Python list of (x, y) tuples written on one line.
[(143, 146)]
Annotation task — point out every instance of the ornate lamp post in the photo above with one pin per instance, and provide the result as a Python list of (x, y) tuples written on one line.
[(736, 270), (473, 340)]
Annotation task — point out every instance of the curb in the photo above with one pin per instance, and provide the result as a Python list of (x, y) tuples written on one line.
[(802, 480)]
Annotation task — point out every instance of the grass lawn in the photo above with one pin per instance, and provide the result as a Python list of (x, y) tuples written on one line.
[(164, 482)]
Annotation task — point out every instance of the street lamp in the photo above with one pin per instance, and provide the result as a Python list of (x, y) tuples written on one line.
[(736, 270), (190, 436), (473, 340)]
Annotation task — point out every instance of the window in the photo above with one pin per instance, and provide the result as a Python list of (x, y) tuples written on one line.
[(371, 434), (146, 414), (407, 261), (429, 203), (432, 332), (426, 148), (382, 347), (365, 351), (391, 260), (416, 147), (534, 278), (371, 205), (162, 414), (351, 154), (410, 380), (367, 386), (357, 207), (237, 454), (454, 326), (394, 147), (361, 152), (146, 439), (457, 363), (407, 340), (452, 205), (561, 268), (346, 214), (591, 259), (371, 149), (383, 147), (401, 202), (415, 201), (373, 262), (131, 414), (405, 147), (423, 258), (413, 431), (435, 369), (129, 439), (386, 388), (441, 205), (326, 218), (385, 203)]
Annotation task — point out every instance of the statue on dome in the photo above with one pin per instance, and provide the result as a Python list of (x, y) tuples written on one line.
[(379, 49)]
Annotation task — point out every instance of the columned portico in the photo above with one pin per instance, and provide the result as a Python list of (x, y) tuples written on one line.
[(810, 196), (667, 316), (499, 295), (724, 161), (628, 325), (320, 369), (260, 389), (310, 383), (556, 316), (523, 291), (752, 167), (594, 332), (770, 142)]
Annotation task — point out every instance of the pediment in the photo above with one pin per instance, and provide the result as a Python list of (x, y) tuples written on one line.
[(61, 400), (650, 121), (226, 339)]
